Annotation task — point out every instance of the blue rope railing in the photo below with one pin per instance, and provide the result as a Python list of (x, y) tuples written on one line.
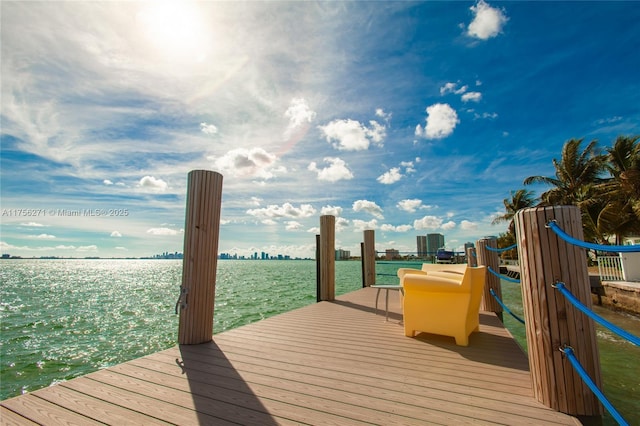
[(493, 293), (503, 277), (553, 225), (568, 352), (619, 331), (500, 250)]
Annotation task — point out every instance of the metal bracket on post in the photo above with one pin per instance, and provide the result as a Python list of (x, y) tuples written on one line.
[(182, 299)]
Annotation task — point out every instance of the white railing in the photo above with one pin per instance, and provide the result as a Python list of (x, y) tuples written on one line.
[(610, 268)]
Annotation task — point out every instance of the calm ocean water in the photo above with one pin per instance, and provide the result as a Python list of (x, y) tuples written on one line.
[(61, 319)]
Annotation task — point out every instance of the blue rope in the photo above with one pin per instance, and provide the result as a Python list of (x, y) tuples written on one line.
[(502, 277), (500, 250), (568, 351), (619, 331), (568, 238), (493, 293)]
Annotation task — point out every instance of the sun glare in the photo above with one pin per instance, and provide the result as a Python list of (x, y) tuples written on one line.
[(175, 29)]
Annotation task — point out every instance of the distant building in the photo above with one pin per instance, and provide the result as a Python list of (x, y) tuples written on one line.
[(343, 254), (391, 254), (434, 242), (422, 245), (167, 255)]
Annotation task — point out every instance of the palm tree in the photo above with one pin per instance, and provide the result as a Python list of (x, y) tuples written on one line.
[(576, 172), (520, 199), (620, 214), (576, 182)]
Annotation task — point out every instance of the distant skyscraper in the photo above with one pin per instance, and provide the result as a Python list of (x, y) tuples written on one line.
[(434, 242), (422, 245)]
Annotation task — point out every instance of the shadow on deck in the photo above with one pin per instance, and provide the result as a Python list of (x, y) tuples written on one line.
[(327, 363)]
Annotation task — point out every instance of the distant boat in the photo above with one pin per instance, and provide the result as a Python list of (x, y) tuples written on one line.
[(445, 256)]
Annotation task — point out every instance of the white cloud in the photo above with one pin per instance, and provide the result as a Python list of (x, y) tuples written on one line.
[(427, 222), (242, 162), (32, 225), (121, 248), (411, 205), (448, 225), (441, 120), (91, 247), (255, 201), (472, 96), (107, 182), (154, 184), (487, 22), (44, 237), (341, 223), (351, 135), (399, 228), (331, 210), (469, 226), (287, 210), (385, 116), (162, 231), (453, 88), (369, 207), (298, 113), (361, 225), (208, 129), (292, 225), (408, 165), (486, 115), (336, 171), (116, 234), (392, 176)]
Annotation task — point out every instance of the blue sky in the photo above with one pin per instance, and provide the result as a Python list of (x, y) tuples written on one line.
[(407, 118)]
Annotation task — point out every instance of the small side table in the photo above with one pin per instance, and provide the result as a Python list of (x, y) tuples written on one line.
[(386, 287)]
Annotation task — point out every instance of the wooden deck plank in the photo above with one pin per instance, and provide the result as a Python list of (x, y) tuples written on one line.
[(97, 409), (37, 410), (333, 363), (10, 418), (344, 389), (147, 405)]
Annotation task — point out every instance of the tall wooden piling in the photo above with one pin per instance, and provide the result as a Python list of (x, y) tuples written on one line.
[(327, 257), (200, 257), (490, 259), (369, 259), (552, 321), (472, 257)]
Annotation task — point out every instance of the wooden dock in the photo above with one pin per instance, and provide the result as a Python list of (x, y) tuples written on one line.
[(329, 363)]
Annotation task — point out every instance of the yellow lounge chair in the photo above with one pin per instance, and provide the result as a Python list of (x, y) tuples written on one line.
[(458, 268), (433, 267), (443, 301)]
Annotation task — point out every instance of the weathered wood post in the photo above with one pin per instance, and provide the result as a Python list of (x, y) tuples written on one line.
[(491, 260), (318, 286), (369, 259), (327, 257), (552, 321), (200, 257), (472, 260)]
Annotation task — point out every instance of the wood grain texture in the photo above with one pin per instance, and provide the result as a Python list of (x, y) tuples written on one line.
[(330, 363)]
